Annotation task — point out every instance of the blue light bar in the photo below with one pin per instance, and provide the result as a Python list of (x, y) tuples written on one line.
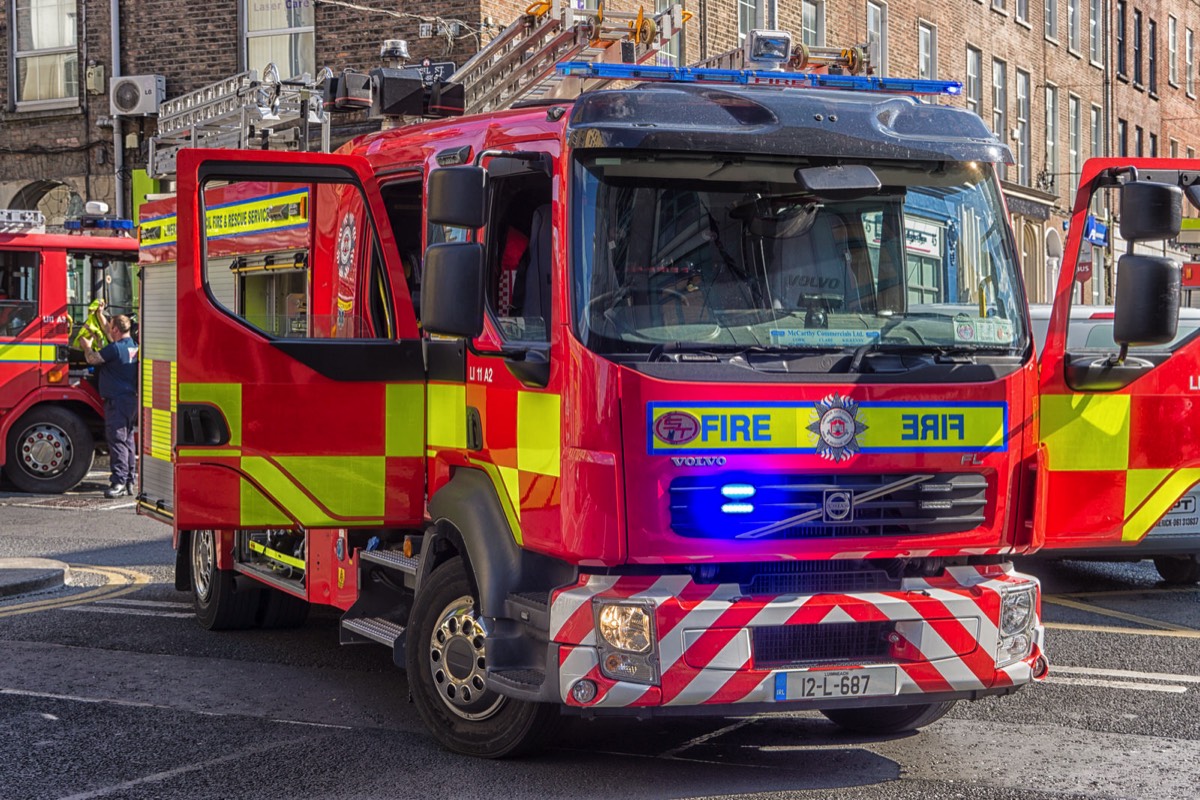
[(738, 491), (103, 223), (747, 77), (738, 508)]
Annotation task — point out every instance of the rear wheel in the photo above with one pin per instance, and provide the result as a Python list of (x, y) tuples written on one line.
[(50, 449), (447, 675), (219, 605), (1178, 569), (888, 719)]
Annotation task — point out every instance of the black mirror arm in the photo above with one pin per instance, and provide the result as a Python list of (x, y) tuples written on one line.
[(1119, 358)]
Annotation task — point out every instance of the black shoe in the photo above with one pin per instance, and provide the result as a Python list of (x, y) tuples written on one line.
[(118, 490)]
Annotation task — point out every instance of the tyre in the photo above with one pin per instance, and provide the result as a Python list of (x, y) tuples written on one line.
[(446, 661), (281, 610), (1178, 569), (219, 605), (888, 719), (50, 450)]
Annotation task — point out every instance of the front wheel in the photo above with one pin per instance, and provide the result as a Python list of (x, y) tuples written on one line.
[(1178, 569), (888, 719), (50, 450), (218, 604), (446, 660)]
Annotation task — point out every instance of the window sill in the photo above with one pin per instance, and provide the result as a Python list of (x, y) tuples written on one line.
[(1123, 77), (1001, 11), (32, 113), (1052, 40), (1024, 23), (1097, 64), (1074, 52), (1153, 95)]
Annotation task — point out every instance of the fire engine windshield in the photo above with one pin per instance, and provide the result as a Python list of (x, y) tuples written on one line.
[(719, 253)]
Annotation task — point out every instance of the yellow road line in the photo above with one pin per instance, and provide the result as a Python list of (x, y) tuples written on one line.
[(1071, 626), (1127, 592), (1105, 612), (118, 582)]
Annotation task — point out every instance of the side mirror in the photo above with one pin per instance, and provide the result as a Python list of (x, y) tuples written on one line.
[(452, 289), (457, 196), (1150, 211), (1148, 296)]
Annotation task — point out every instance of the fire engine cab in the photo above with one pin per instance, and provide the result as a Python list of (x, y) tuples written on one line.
[(707, 391), (51, 415)]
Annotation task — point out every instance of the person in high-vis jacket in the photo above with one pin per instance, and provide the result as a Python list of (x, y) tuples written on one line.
[(117, 367)]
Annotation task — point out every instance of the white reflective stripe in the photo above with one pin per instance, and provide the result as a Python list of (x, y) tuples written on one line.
[(579, 662), (567, 603)]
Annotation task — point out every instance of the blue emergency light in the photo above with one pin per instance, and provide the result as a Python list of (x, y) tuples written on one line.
[(747, 77), (103, 223)]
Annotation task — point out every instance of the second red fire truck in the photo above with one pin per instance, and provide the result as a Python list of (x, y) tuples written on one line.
[(713, 393)]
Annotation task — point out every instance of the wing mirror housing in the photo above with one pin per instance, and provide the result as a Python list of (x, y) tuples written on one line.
[(452, 289), (1149, 289)]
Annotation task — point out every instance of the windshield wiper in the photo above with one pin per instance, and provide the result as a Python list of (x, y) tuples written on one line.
[(696, 351)]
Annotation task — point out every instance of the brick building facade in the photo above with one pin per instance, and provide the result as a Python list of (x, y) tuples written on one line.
[(1061, 80)]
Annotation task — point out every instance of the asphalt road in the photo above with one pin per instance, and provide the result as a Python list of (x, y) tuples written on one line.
[(109, 689)]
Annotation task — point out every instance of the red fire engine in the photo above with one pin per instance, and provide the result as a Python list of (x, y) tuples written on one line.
[(51, 416), (713, 393)]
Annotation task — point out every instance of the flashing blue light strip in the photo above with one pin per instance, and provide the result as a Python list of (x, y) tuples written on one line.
[(738, 491), (738, 508), (108, 224), (746, 77)]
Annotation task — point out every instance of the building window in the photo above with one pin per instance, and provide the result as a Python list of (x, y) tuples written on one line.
[(1000, 106), (1189, 61), (1153, 145), (1024, 162), (1172, 51), (281, 33), (1122, 138), (1137, 47), (1051, 17), (927, 51), (999, 5), (1022, 10), (1174, 149), (1138, 135), (1073, 25), (1074, 141), (1152, 54), (747, 18), (1096, 32), (877, 36), (1191, 152), (1122, 69), (1052, 132), (812, 30), (1097, 132), (668, 55), (45, 55), (974, 85)]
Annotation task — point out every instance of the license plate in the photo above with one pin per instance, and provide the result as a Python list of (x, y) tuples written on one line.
[(834, 683)]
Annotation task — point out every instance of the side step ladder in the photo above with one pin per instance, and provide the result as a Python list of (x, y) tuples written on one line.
[(382, 601)]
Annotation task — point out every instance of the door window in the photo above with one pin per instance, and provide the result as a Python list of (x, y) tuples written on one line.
[(18, 291)]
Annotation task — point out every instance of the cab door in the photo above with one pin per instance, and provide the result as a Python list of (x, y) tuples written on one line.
[(1119, 442), (300, 382)]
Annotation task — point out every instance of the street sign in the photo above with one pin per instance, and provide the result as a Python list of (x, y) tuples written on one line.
[(1095, 232), (436, 70)]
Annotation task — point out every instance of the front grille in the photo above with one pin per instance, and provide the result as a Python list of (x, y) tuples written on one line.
[(831, 643), (942, 503), (818, 577)]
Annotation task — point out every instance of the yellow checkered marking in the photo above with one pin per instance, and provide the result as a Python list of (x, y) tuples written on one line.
[(447, 423), (539, 423), (405, 420), (27, 353), (1088, 432), (1149, 494)]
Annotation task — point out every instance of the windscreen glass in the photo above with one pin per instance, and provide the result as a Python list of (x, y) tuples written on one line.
[(716, 253)]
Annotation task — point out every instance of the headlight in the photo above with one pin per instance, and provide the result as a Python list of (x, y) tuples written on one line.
[(1016, 611), (625, 627)]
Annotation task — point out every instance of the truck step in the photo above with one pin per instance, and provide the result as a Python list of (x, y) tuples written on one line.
[(532, 608), (376, 629), (392, 559), (523, 681)]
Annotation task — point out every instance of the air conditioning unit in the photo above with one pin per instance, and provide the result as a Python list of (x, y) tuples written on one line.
[(136, 95)]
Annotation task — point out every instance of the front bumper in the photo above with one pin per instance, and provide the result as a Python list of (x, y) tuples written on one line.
[(943, 641)]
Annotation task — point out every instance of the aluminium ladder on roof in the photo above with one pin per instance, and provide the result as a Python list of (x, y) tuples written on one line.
[(245, 112)]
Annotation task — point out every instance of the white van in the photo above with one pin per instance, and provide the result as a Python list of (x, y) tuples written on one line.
[(1174, 543)]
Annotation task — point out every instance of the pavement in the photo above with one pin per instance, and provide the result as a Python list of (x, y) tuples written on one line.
[(22, 575)]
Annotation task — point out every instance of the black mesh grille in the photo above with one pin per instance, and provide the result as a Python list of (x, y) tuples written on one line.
[(943, 503), (832, 643)]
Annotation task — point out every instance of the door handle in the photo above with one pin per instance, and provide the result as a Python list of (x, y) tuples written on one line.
[(201, 424)]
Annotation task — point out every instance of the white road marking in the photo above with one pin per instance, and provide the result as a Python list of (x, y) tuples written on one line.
[(1124, 673), (1104, 684), (133, 612), (117, 507)]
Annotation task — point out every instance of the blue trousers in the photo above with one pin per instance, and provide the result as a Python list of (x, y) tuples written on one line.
[(120, 419)]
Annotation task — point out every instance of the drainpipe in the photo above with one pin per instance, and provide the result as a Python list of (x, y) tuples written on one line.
[(118, 126)]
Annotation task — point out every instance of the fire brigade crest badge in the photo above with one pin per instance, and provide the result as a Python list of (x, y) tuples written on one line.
[(835, 427), (345, 245)]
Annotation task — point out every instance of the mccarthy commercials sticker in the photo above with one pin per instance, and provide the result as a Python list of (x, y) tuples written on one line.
[(834, 427)]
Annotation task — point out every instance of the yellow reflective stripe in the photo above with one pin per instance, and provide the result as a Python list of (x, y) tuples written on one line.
[(539, 421), (1086, 432), (447, 424), (251, 216), (175, 390), (205, 452), (257, 510), (405, 420), (275, 555), (225, 396), (1157, 501), (338, 487), (160, 434), (147, 383), (27, 353), (508, 490)]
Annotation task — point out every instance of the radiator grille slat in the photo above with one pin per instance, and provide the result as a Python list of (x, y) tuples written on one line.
[(831, 643)]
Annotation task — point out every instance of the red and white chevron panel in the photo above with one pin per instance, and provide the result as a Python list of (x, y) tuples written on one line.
[(947, 628)]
